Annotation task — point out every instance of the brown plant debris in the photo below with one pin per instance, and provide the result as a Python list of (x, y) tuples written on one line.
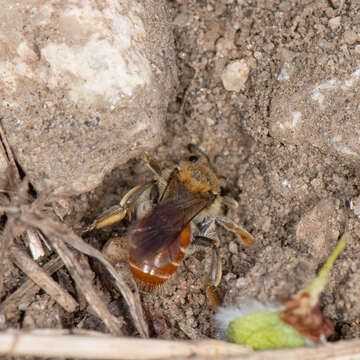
[(58, 344), (39, 276), (309, 321), (26, 292), (25, 214)]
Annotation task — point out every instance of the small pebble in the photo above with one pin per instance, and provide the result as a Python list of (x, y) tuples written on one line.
[(224, 45), (233, 247), (286, 71), (350, 37), (184, 19), (355, 205), (267, 224), (334, 23), (240, 282), (235, 75)]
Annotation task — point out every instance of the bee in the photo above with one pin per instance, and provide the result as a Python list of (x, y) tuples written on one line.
[(186, 206)]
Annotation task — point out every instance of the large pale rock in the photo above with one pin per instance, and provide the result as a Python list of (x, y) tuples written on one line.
[(83, 85), (319, 229), (325, 115)]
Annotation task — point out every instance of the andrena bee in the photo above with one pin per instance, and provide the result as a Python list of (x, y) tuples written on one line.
[(185, 210)]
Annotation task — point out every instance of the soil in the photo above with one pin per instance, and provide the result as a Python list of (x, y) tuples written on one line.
[(280, 188)]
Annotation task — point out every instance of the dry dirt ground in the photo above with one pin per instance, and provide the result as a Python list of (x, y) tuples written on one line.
[(295, 200)]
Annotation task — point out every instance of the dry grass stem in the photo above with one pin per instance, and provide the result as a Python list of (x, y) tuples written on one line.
[(54, 230), (9, 174), (24, 295), (108, 347), (82, 275), (20, 258), (8, 156), (34, 243), (91, 345), (26, 215)]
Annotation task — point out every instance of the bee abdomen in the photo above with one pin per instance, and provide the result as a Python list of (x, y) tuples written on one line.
[(149, 277)]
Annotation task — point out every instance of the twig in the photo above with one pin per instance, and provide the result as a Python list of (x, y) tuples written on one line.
[(94, 347), (54, 229), (26, 292), (82, 276), (23, 214), (59, 234), (9, 174), (6, 150), (34, 243), (19, 257), (55, 343), (342, 350)]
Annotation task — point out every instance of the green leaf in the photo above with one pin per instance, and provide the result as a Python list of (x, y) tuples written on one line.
[(264, 330)]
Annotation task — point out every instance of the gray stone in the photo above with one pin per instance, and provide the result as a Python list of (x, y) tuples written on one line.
[(83, 87), (334, 23), (325, 115), (319, 228), (350, 37)]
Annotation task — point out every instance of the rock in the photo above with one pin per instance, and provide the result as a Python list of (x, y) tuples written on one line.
[(84, 87), (184, 19), (334, 23), (286, 55), (350, 37), (324, 115), (42, 313), (350, 296), (316, 236), (233, 248), (279, 279), (235, 75), (286, 72), (319, 229), (355, 205)]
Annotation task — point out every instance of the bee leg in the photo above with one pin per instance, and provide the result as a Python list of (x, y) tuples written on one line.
[(246, 238), (117, 213), (205, 241), (215, 274), (230, 202), (214, 279), (151, 163)]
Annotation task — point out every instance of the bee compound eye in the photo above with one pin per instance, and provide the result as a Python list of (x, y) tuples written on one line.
[(223, 191), (193, 158)]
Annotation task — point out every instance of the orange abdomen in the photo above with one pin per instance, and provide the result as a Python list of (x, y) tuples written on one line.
[(148, 277)]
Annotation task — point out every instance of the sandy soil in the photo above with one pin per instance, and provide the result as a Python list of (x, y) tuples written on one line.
[(295, 200)]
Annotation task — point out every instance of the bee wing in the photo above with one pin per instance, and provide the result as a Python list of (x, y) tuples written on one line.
[(156, 238), (174, 189)]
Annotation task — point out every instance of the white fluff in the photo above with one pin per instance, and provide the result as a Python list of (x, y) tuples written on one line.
[(226, 314)]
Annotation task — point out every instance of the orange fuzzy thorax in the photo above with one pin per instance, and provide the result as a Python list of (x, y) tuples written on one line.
[(197, 178)]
